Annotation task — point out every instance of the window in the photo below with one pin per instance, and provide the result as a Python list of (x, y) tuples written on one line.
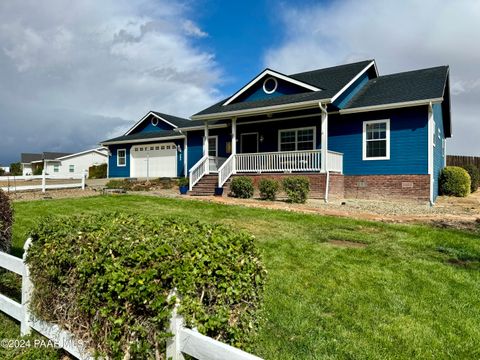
[(151, 148), (376, 140), (56, 168), (212, 146), (122, 157), (157, 147), (296, 139), (71, 168)]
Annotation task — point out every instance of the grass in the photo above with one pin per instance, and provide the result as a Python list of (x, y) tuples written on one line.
[(412, 292)]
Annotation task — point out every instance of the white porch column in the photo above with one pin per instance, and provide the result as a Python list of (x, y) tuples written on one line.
[(234, 143), (324, 138), (185, 157), (205, 145)]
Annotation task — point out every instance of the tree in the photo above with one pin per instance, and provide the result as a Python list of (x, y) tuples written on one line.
[(2, 172), (16, 169)]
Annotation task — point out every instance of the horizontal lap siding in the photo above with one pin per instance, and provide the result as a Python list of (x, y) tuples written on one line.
[(115, 171), (195, 147), (408, 142)]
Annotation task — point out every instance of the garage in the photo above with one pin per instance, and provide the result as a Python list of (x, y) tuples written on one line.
[(154, 160)]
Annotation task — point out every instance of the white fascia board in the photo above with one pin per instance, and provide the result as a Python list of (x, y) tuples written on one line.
[(143, 140), (353, 80), (390, 106), (201, 127), (259, 110), (274, 74), (142, 119), (98, 151)]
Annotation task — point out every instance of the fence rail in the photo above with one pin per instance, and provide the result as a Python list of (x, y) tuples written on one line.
[(184, 340), (460, 160), (13, 182)]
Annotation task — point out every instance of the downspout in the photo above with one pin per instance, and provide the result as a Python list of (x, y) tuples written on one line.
[(324, 130), (430, 132)]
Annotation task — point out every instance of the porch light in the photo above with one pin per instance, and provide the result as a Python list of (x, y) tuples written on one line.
[(261, 138)]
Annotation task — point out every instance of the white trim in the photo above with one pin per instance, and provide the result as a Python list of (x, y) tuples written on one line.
[(314, 128), (144, 140), (216, 144), (97, 150), (125, 157), (352, 81), (248, 133), (364, 140), (185, 157), (390, 106), (259, 110), (434, 133), (200, 127), (273, 74), (274, 88), (431, 124), (147, 115)]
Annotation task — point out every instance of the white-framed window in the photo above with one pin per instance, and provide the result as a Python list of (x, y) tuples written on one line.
[(376, 140), (296, 139), (71, 168), (213, 146), (122, 157), (56, 168)]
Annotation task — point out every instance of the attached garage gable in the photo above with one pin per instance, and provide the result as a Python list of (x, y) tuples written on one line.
[(154, 160)]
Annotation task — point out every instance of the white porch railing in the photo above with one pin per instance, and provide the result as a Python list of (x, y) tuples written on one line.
[(335, 161), (215, 162), (226, 170), (280, 161), (198, 170)]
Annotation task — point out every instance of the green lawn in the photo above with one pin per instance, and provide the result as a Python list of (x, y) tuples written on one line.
[(399, 297)]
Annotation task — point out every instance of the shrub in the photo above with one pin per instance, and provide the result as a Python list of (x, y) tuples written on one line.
[(119, 184), (16, 169), (242, 187), (268, 189), (38, 171), (6, 221), (296, 188), (454, 181), (183, 182), (474, 173), (97, 171), (2, 172), (107, 277)]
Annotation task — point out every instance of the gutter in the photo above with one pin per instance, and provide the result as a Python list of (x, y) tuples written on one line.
[(200, 127), (391, 106)]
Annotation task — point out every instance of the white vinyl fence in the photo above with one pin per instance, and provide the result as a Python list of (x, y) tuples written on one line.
[(184, 341), (41, 182)]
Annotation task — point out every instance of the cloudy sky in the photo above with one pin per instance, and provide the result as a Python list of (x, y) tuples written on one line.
[(73, 73)]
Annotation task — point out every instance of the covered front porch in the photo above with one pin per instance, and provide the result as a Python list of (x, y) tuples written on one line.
[(289, 144)]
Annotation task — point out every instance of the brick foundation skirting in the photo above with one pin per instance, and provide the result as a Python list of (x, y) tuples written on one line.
[(411, 187)]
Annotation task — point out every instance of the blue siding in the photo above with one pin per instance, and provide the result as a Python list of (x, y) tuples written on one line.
[(195, 147), (352, 90), (146, 126), (115, 171), (408, 142), (438, 158), (256, 91)]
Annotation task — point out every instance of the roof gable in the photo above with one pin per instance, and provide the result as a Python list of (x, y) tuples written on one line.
[(155, 121)]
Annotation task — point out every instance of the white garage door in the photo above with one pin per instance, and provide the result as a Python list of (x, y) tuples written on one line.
[(154, 160)]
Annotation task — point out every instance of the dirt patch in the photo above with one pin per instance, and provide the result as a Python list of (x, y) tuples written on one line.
[(347, 244), (52, 194), (468, 264)]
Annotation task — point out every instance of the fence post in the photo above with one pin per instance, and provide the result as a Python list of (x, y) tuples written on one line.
[(84, 177), (44, 180), (176, 323), (27, 288)]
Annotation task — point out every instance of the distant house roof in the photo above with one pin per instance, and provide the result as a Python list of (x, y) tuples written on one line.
[(139, 137), (30, 157), (330, 80), (101, 151), (54, 155)]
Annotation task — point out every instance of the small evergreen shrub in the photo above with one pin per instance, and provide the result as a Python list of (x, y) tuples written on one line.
[(183, 182), (107, 278), (268, 189), (97, 171), (242, 187), (6, 221), (296, 188), (474, 173), (454, 181)]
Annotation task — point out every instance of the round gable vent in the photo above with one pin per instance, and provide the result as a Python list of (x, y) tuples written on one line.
[(270, 85), (154, 121)]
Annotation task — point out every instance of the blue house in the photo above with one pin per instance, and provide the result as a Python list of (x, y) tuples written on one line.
[(352, 132)]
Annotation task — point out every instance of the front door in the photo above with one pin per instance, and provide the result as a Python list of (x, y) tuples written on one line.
[(249, 143)]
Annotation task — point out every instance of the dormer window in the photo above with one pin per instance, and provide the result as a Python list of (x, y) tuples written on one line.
[(270, 85), (154, 121)]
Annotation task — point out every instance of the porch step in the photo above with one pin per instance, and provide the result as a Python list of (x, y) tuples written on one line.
[(206, 186)]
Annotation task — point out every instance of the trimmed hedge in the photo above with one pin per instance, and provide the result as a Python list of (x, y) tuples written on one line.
[(474, 173), (268, 189), (97, 171), (6, 221), (242, 187), (107, 278), (454, 181), (296, 188)]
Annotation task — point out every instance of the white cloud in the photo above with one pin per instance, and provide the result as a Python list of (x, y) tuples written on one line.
[(400, 35), (75, 70)]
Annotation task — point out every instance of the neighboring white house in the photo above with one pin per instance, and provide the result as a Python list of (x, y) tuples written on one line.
[(5, 168), (66, 164)]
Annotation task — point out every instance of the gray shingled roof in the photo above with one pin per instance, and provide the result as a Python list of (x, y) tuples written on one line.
[(401, 87), (142, 136), (330, 80), (175, 120), (54, 155), (29, 157)]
